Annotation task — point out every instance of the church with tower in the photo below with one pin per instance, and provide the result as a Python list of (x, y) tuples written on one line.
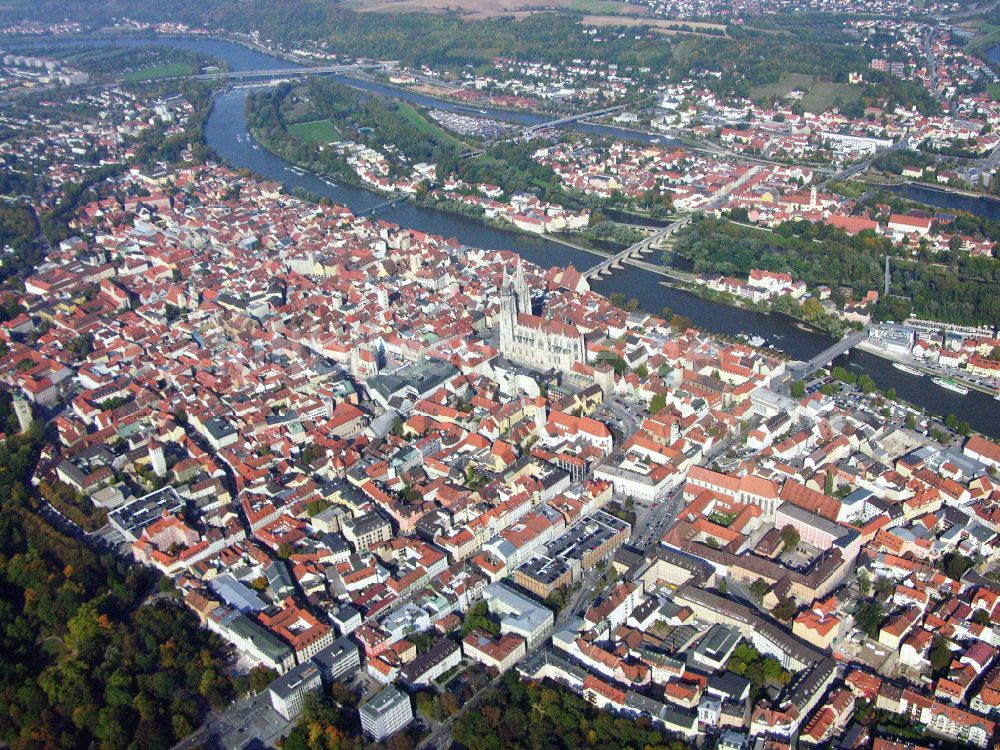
[(531, 340)]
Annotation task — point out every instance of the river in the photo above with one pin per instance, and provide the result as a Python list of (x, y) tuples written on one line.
[(226, 133), (985, 206)]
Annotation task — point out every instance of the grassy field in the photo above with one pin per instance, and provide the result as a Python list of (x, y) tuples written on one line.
[(659, 25), (822, 96), (317, 131), (783, 87), (417, 120), (819, 97), (988, 36), (160, 71), (609, 7)]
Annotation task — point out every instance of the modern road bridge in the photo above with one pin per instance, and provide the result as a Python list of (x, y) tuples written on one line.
[(573, 118), (803, 370), (223, 75)]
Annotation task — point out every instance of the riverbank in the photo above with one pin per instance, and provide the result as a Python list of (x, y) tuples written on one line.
[(349, 179), (934, 188), (905, 359)]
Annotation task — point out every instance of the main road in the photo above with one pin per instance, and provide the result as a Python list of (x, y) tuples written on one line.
[(825, 357)]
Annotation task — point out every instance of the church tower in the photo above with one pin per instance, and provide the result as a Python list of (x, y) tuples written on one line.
[(23, 411), (521, 290), (508, 317)]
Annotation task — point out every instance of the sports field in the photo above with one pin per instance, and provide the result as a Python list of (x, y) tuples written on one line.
[(317, 131)]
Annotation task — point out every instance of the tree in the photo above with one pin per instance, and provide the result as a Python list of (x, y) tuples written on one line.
[(657, 403), (981, 617), (785, 609), (884, 587), (955, 565), (864, 582), (284, 550), (939, 654), (798, 389), (812, 309), (342, 695), (790, 537), (680, 322), (260, 678), (869, 616), (759, 587), (478, 616)]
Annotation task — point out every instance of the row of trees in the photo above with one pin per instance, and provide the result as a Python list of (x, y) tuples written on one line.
[(520, 715)]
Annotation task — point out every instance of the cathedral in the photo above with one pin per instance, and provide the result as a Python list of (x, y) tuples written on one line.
[(531, 340)]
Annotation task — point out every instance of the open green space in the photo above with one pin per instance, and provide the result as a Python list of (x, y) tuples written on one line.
[(609, 7), (160, 71), (317, 131), (823, 95), (820, 95), (417, 120), (782, 87), (989, 36)]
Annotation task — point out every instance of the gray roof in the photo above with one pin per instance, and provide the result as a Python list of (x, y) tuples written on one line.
[(291, 681), (218, 428), (262, 639), (340, 650), (817, 521), (421, 377), (413, 672), (383, 702), (236, 594), (718, 642)]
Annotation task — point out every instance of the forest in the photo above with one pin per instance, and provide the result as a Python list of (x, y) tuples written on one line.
[(85, 661), (18, 228), (954, 288)]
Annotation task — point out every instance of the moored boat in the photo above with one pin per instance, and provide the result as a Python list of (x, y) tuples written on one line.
[(951, 385), (908, 369)]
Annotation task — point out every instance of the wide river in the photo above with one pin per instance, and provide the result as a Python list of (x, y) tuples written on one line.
[(226, 133)]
